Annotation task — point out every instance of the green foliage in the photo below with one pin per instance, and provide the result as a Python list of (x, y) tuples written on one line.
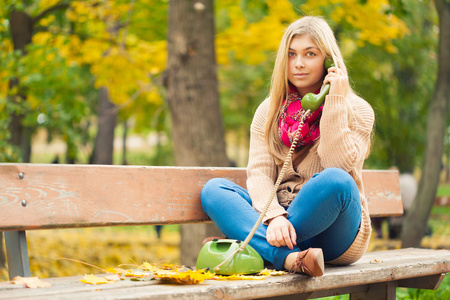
[(399, 86), (77, 48)]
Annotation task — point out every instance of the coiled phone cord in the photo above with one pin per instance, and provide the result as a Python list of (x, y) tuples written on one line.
[(272, 195)]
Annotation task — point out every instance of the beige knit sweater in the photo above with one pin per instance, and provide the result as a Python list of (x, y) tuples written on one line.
[(343, 144)]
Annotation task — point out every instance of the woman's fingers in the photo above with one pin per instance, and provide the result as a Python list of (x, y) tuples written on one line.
[(293, 235), (280, 232), (340, 66), (338, 79), (287, 238)]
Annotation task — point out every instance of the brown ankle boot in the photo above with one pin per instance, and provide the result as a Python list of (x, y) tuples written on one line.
[(309, 262)]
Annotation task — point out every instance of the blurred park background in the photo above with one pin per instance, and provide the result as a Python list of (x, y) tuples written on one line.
[(115, 82)]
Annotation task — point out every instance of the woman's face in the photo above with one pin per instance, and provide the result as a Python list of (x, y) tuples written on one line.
[(305, 64)]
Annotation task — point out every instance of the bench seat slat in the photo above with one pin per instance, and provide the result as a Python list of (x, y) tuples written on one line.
[(37, 196), (377, 267)]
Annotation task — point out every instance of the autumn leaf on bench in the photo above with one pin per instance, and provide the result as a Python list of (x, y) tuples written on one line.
[(30, 282), (261, 275), (92, 279), (183, 277)]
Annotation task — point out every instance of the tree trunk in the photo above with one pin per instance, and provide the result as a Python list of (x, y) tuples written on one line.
[(104, 141), (124, 143), (21, 33), (417, 217), (192, 94)]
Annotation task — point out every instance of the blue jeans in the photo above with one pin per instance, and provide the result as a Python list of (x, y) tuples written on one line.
[(326, 214)]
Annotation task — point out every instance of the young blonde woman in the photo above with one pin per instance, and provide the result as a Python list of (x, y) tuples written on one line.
[(319, 213)]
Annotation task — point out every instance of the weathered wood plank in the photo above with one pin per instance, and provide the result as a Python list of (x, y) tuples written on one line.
[(431, 282), (382, 190), (377, 267), (376, 291), (34, 196), (55, 196)]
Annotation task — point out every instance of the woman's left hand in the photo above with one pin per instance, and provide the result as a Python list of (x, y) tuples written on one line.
[(338, 79)]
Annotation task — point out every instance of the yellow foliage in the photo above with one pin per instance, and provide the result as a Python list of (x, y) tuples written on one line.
[(370, 19), (251, 42), (119, 61), (42, 38), (33, 101), (127, 73), (282, 10), (46, 21), (78, 9), (4, 86), (44, 4), (91, 51), (5, 47)]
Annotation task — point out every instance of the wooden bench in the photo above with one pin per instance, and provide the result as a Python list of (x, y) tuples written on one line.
[(36, 196)]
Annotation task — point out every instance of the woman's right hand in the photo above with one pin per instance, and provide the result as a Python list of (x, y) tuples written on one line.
[(281, 232), (338, 79)]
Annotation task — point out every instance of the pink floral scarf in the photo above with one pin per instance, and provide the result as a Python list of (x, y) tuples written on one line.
[(291, 114)]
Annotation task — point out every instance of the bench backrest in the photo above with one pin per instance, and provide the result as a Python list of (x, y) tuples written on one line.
[(37, 196)]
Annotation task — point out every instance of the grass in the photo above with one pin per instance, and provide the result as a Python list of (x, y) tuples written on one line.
[(443, 190)]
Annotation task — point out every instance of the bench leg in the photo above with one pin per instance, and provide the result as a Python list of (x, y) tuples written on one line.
[(384, 290), (17, 254)]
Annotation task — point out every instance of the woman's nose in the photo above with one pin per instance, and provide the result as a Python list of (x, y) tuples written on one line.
[(299, 62)]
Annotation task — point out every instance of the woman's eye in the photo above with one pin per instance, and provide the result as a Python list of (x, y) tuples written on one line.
[(291, 54), (310, 54)]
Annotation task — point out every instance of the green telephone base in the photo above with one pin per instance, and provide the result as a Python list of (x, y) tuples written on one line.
[(213, 253)]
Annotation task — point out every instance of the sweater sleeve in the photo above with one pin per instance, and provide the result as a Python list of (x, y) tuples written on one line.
[(344, 143), (261, 169)]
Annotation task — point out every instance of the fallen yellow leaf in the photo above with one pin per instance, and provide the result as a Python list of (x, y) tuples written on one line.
[(268, 272), (118, 271), (92, 279), (137, 273), (186, 277), (148, 267), (240, 277), (261, 275)]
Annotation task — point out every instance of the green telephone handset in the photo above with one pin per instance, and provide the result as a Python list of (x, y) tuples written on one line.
[(312, 101)]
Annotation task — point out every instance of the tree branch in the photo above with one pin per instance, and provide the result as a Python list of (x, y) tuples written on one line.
[(49, 10)]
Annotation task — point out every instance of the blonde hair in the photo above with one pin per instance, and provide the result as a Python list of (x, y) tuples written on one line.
[(320, 32)]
